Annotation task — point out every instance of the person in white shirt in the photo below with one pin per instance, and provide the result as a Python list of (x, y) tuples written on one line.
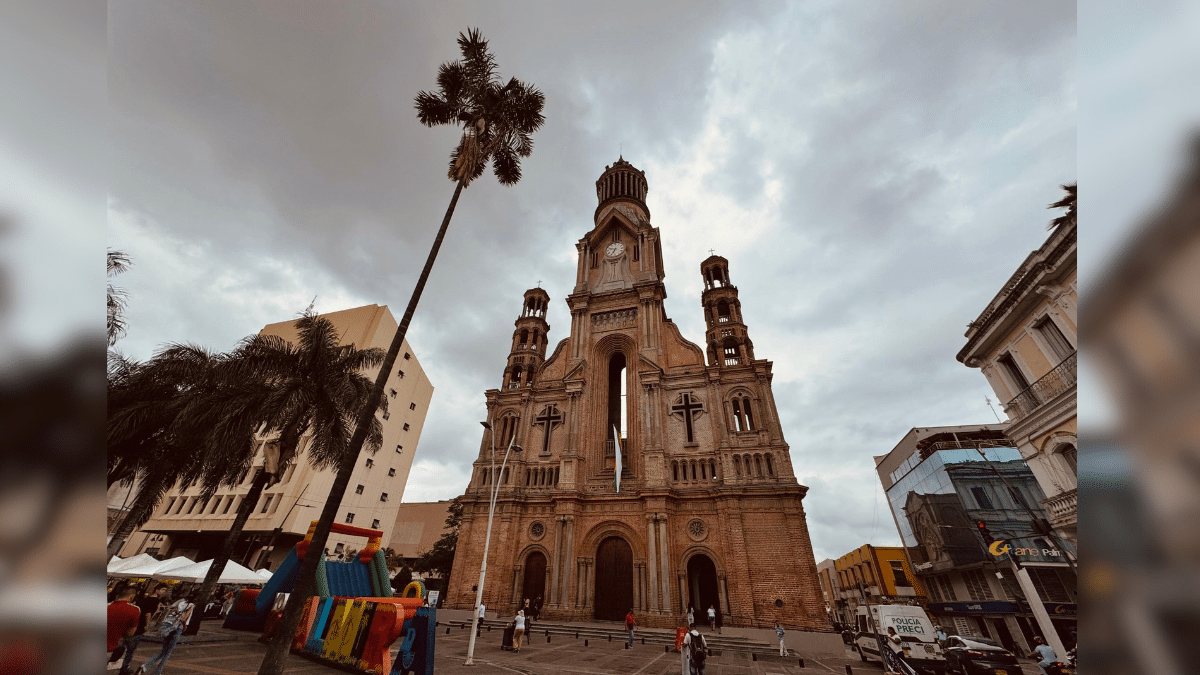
[(1044, 653), (482, 611), (519, 631)]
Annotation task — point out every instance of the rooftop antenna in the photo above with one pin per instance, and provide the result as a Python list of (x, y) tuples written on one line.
[(989, 405), (711, 252)]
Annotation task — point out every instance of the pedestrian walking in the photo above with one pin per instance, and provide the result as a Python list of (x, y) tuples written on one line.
[(123, 618), (537, 609), (691, 617), (177, 617), (940, 634), (712, 618), (150, 606), (779, 634), (694, 653), (630, 624), (519, 631), (1044, 653), (482, 611)]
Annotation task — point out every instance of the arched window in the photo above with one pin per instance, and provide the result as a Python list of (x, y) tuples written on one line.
[(703, 471), (694, 470), (738, 423), (748, 414), (675, 470), (723, 312), (737, 466), (617, 398), (770, 468), (514, 380), (534, 342), (757, 466), (556, 470), (529, 376), (730, 349), (712, 469), (528, 477), (504, 478), (524, 336)]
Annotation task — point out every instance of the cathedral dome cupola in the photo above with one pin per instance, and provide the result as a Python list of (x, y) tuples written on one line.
[(622, 182)]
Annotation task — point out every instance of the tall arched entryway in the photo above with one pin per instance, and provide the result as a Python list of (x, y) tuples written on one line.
[(702, 585), (614, 579), (533, 586)]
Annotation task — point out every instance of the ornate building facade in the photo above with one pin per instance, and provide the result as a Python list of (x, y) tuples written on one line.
[(706, 509)]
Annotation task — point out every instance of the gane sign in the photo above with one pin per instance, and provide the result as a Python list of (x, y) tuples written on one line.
[(1000, 547)]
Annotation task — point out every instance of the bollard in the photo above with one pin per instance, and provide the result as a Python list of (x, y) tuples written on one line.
[(547, 637), (585, 642), (610, 637), (753, 656), (666, 648), (576, 635), (489, 627), (643, 640), (849, 670), (447, 630), (801, 663)]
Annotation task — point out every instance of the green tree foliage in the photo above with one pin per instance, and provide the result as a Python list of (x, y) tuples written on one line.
[(439, 560)]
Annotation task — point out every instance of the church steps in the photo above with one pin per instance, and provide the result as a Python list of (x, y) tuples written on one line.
[(603, 633)]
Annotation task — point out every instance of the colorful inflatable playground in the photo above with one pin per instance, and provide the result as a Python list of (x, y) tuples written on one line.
[(353, 618)]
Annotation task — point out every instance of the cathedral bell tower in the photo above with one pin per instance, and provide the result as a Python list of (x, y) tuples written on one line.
[(728, 343), (528, 341)]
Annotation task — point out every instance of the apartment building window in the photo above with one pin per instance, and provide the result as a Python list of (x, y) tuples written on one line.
[(399, 449), (947, 588), (977, 585), (383, 497), (412, 406), (406, 426), (375, 524), (216, 503), (400, 374), (358, 490), (267, 503), (392, 471), (1009, 364), (387, 415), (898, 573), (228, 503), (349, 519), (169, 505), (192, 505), (981, 498), (393, 393), (1018, 497), (407, 356), (1059, 347), (370, 462)]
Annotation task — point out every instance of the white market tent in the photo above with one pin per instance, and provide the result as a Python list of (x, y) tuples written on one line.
[(152, 568), (128, 563), (264, 573), (195, 573)]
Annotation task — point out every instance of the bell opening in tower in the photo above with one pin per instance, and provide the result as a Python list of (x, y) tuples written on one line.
[(618, 409)]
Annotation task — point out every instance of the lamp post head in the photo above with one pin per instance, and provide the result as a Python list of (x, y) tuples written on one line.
[(486, 426), (517, 448)]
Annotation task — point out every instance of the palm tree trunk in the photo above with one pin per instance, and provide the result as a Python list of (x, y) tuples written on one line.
[(272, 663), (231, 539)]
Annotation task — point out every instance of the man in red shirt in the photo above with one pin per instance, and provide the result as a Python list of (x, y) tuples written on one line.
[(630, 624), (123, 617)]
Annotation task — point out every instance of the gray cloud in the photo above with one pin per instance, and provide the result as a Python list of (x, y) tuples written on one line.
[(873, 175)]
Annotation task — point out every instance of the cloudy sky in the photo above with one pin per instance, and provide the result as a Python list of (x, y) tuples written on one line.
[(873, 173)]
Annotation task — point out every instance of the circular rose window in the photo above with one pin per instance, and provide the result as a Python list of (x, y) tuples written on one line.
[(537, 530), (697, 530)]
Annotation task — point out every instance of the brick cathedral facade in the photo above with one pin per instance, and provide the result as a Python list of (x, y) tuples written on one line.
[(708, 510)]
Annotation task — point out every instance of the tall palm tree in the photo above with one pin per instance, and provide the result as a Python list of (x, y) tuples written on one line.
[(118, 263), (1067, 202), (498, 120), (315, 387)]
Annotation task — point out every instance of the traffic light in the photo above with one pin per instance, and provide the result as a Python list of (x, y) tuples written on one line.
[(982, 527)]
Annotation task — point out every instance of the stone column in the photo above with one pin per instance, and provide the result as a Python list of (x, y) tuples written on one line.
[(568, 554), (653, 562), (591, 587), (637, 583), (556, 558), (683, 596), (518, 578), (723, 593), (664, 554)]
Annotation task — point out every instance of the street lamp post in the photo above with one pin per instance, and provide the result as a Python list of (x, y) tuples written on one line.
[(488, 539)]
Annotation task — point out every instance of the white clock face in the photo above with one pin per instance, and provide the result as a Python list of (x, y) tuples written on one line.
[(615, 249)]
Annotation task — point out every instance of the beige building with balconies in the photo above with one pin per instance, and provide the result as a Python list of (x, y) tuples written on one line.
[(186, 524), (1024, 342)]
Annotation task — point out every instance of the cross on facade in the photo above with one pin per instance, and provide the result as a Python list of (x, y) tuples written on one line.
[(688, 408), (549, 417), (711, 252)]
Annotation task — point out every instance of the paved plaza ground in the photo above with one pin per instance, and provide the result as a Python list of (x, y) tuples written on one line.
[(221, 652)]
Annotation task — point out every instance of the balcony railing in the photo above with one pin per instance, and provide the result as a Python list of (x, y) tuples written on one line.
[(1059, 379), (1062, 508)]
